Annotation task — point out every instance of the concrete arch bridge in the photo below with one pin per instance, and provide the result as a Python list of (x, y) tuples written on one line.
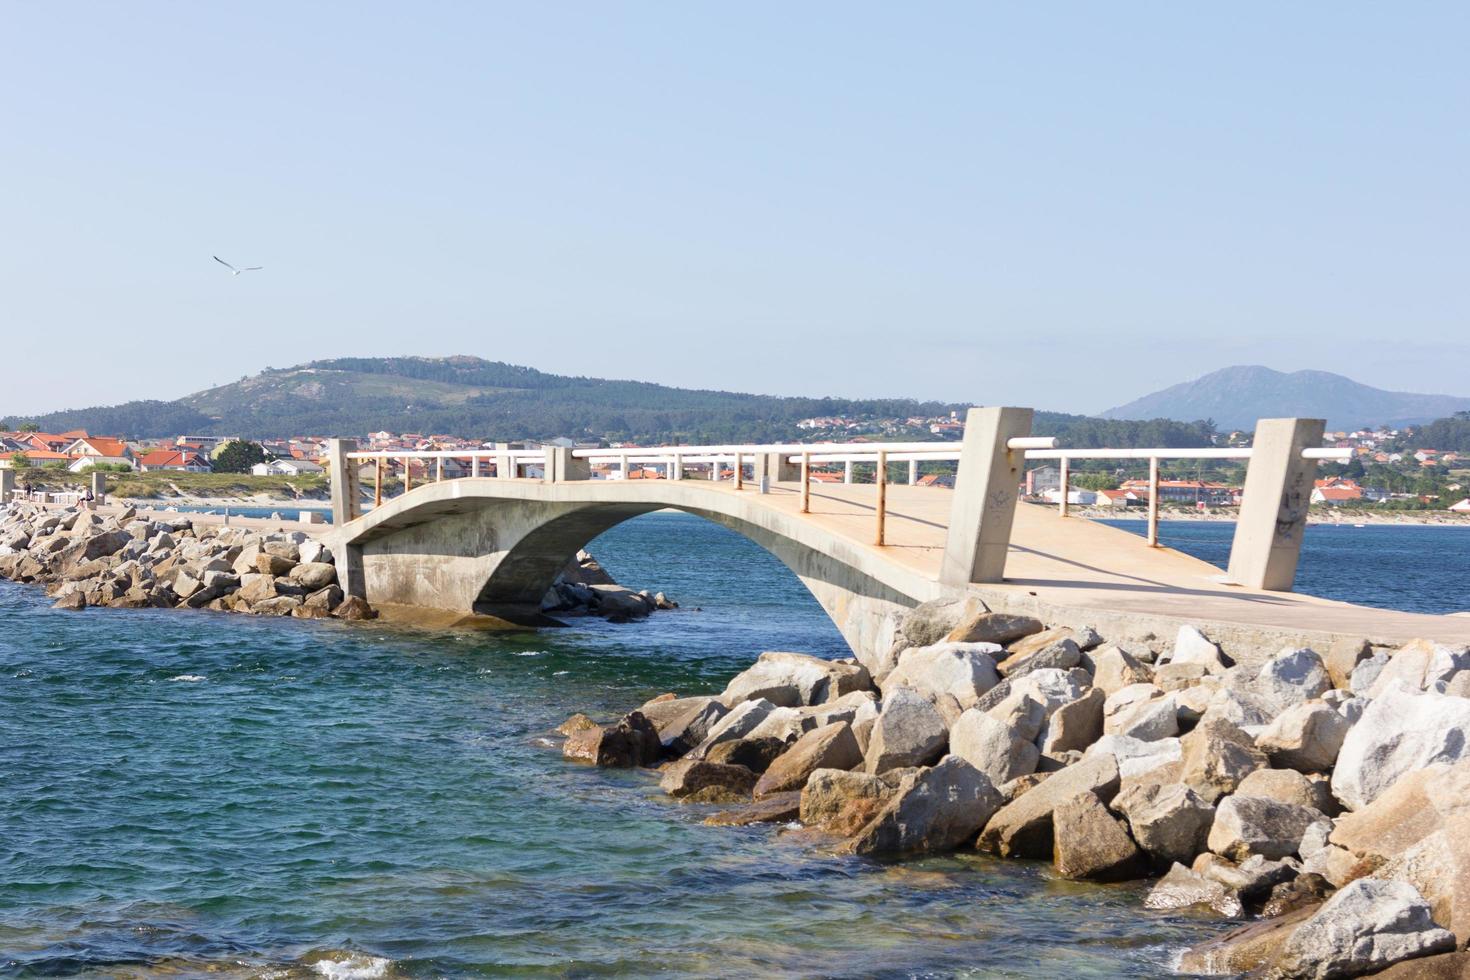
[(492, 542)]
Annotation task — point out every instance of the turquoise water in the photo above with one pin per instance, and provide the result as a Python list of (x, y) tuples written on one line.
[(191, 791)]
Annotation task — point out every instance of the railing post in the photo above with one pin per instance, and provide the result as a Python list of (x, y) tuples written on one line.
[(378, 483), (1153, 501), (99, 487), (716, 470), (882, 478), (474, 466), (847, 471), (984, 502), (439, 469), (407, 473), (562, 466), (1273, 507), (806, 483), (676, 467), (1064, 480), (346, 502), (504, 462), (913, 472), (774, 468), (7, 484), (739, 471)]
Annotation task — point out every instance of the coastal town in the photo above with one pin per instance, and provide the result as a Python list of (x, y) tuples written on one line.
[(1379, 477)]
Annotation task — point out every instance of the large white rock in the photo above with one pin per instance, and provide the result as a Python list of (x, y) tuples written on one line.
[(1365, 927), (1417, 665), (739, 722), (1246, 825), (931, 810), (790, 680), (909, 731), (1293, 676), (992, 746), (1193, 647), (1306, 737), (963, 670), (1169, 820), (1147, 720), (1115, 668), (1401, 731), (1135, 756), (1051, 687)]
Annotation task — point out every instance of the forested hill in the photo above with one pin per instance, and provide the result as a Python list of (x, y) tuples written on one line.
[(474, 398)]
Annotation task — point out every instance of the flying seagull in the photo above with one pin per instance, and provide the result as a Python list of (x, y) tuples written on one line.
[(235, 271)]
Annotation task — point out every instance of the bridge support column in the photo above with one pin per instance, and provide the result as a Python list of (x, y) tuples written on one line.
[(562, 466), (1273, 507), (504, 463), (7, 484), (986, 488), (346, 498), (777, 468)]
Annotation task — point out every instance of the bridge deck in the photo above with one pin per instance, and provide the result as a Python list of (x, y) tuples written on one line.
[(1076, 563)]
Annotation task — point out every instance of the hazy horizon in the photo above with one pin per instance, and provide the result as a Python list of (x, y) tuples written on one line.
[(1064, 206)]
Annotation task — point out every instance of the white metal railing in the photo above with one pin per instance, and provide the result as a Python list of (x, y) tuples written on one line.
[(1065, 456), (509, 462)]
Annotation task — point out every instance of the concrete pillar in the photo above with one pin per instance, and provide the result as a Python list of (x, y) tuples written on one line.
[(847, 471), (1273, 507), (775, 468), (986, 488), (346, 495), (99, 486), (913, 472), (562, 466), (7, 484), (505, 466)]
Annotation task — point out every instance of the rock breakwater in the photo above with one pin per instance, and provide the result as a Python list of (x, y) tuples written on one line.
[(83, 558), (1323, 797)]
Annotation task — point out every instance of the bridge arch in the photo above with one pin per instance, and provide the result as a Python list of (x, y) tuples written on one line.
[(494, 546)]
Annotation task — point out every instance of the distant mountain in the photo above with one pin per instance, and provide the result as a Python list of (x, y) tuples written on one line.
[(1235, 397), (474, 398)]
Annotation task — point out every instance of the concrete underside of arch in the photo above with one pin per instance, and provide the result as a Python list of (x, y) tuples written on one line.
[(493, 547)]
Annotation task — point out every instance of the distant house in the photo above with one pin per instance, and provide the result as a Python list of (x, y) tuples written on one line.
[(937, 480), (1337, 496), (1119, 499), (286, 467), (1082, 498), (91, 451), (182, 460), (1463, 507), (1042, 479)]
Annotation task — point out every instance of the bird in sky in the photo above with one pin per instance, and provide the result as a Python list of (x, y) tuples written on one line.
[(235, 271)]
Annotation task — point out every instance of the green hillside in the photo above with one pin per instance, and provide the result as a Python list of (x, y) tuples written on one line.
[(475, 398)]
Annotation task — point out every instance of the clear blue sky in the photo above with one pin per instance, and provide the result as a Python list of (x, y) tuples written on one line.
[(1060, 205)]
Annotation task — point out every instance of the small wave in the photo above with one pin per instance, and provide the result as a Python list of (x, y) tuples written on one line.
[(353, 968), (560, 673), (529, 653), (189, 678)]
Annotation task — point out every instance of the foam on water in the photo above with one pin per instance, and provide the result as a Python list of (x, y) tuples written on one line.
[(354, 967), (189, 678)]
